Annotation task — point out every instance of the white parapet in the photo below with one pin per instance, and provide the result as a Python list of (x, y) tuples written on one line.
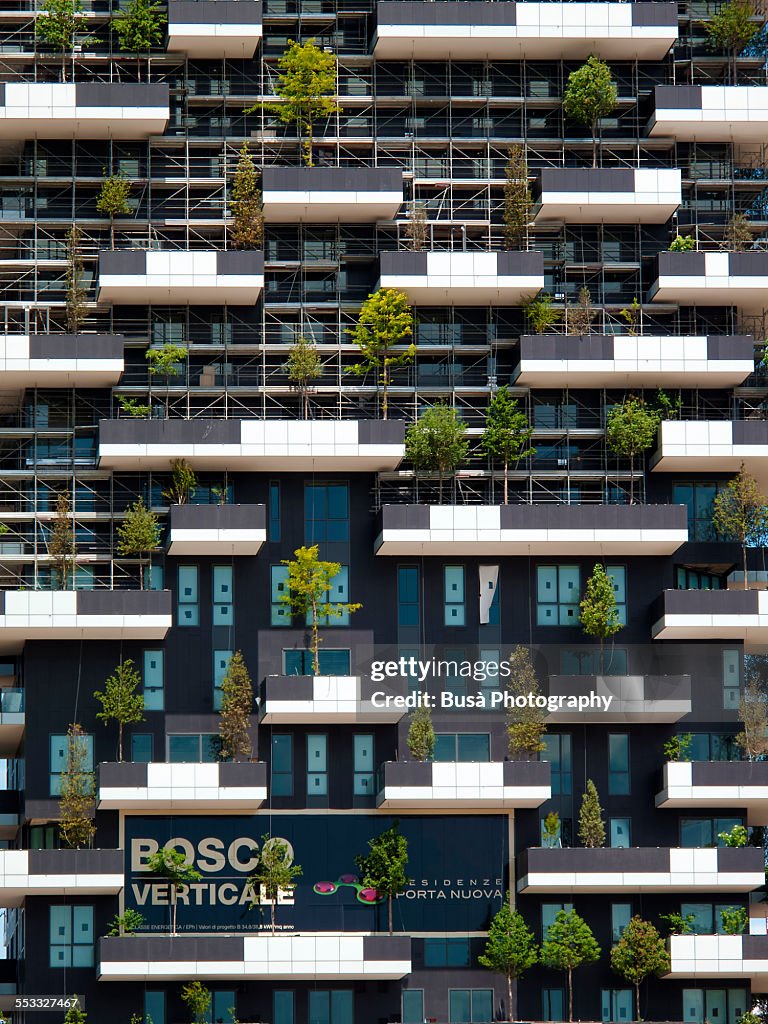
[(91, 110)]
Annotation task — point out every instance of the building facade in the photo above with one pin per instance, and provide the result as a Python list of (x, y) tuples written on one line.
[(407, 191)]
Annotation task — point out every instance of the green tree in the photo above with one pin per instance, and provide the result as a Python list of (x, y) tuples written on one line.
[(591, 824), (112, 200), (518, 201), (677, 924), (590, 94), (507, 433), (303, 366), (639, 953), (437, 442), (236, 709), (678, 747), (385, 321), (734, 920), (417, 228), (172, 865), (550, 832), (682, 243), (61, 542), (138, 534), (568, 945), (737, 236), (632, 315), (306, 87), (76, 295), (75, 1015), (165, 362), (525, 726), (183, 483), (62, 26), (740, 511), (579, 318), (133, 408), (274, 873), (77, 793), (197, 999), (737, 837), (630, 431), (126, 924), (731, 29), (122, 700), (541, 313), (140, 27), (309, 584), (247, 228), (599, 615), (753, 714), (510, 950), (383, 867), (421, 735)]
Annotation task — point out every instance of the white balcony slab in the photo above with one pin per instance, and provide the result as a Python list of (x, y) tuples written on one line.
[(737, 279), (712, 446), (58, 873), (620, 699), (463, 278), (710, 113), (194, 276), (607, 195), (330, 195), (216, 529), (182, 787), (712, 615), (212, 31), (287, 700), (463, 785), (93, 110), (714, 957), (717, 784), (60, 360)]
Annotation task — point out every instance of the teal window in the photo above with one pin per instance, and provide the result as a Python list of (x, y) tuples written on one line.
[(552, 1004), (334, 1007), (317, 765), (585, 661), (706, 918), (726, 1006), (59, 752), (156, 577), (222, 1008), (326, 513), (470, 1006), (221, 661), (557, 750), (274, 530), (338, 593), (731, 680), (363, 764), (284, 1007), (618, 764), (619, 833), (448, 952), (332, 662), (413, 1006), (188, 605), (223, 595), (407, 595), (695, 579), (70, 936), (154, 680), (193, 748), (282, 764), (453, 583), (617, 1004), (154, 1006), (705, 832), (699, 499), (141, 747), (558, 592), (549, 912), (621, 914), (280, 613), (462, 746), (617, 574)]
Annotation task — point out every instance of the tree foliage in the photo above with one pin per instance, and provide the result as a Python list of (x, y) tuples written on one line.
[(139, 532), (507, 433), (421, 735), (75, 1015), (518, 201), (309, 583), (182, 484), (525, 725), (61, 543), (172, 865), (247, 228), (639, 954), (126, 924), (568, 945), (732, 28), (738, 236), (122, 700), (383, 868), (630, 431), (599, 615), (140, 27), (740, 511), (62, 25), (591, 824), (274, 873), (541, 313), (306, 87), (682, 243), (112, 200), (76, 295), (417, 228), (436, 442), (511, 949), (166, 362), (303, 366), (197, 999), (590, 94), (236, 709), (579, 318), (77, 793), (753, 714), (385, 321)]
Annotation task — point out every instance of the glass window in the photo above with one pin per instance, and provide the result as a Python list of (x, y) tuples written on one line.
[(193, 748), (448, 952), (619, 833), (284, 1007), (549, 912), (413, 1006), (552, 1004), (617, 1004), (326, 513), (223, 595), (188, 609), (731, 680), (282, 764), (618, 764), (221, 661), (332, 662), (59, 752), (222, 1009), (71, 936), (154, 1007), (699, 499), (154, 680), (407, 595), (617, 574), (317, 765), (465, 746), (334, 1007), (704, 832), (695, 579), (582, 661), (470, 1006), (280, 613), (714, 1005), (364, 766), (156, 577), (141, 747), (453, 582), (621, 914), (557, 750), (558, 591), (274, 526), (338, 593)]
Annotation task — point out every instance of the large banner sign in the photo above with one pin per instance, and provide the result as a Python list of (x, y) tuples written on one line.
[(458, 869)]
